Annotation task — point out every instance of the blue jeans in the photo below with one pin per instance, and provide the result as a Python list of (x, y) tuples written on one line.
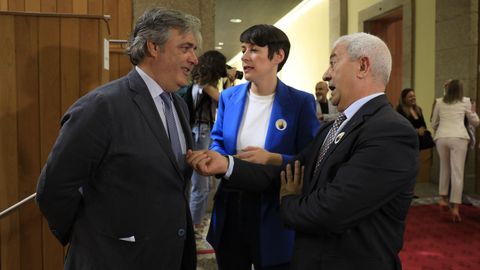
[(201, 185)]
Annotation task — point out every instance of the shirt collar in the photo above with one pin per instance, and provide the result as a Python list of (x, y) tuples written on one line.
[(355, 106), (153, 87)]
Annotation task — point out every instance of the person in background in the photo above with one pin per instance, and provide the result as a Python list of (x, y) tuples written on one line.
[(263, 121), (407, 106), (202, 99), (326, 111), (347, 196), (114, 184), (451, 138)]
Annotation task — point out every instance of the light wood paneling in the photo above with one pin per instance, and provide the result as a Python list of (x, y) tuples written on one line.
[(70, 62), (49, 112), (32, 5), (88, 55), (95, 7), (80, 6), (48, 6), (65, 6), (3, 4), (16, 5), (10, 241), (47, 64), (28, 139)]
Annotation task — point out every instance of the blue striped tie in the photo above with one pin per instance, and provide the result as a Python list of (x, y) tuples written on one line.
[(172, 128)]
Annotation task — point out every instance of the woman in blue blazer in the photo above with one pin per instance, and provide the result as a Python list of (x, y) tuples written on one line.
[(264, 121)]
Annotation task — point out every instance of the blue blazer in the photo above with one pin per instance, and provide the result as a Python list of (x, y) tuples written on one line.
[(293, 125)]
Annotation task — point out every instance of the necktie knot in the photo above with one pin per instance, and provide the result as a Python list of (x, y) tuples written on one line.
[(339, 120)]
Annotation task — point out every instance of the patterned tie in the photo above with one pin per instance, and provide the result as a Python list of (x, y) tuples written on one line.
[(172, 128), (329, 139)]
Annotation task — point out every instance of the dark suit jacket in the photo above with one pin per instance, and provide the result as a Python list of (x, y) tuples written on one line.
[(351, 214), (113, 146)]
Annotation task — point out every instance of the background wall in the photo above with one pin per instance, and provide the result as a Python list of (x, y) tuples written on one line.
[(424, 67), (47, 64), (307, 27)]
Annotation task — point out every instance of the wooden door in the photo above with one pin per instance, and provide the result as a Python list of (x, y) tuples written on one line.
[(388, 27)]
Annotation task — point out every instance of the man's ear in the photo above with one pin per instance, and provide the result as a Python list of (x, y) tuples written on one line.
[(364, 67), (153, 48)]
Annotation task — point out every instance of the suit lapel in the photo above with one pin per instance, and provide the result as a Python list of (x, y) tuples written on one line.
[(233, 117), (357, 120), (281, 100), (146, 105)]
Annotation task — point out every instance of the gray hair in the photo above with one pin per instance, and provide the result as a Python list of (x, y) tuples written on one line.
[(366, 45), (155, 25)]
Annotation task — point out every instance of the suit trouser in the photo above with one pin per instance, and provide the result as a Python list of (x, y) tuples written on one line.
[(452, 153)]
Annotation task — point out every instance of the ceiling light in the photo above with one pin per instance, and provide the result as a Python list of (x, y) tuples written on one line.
[(218, 47), (236, 20), (220, 43)]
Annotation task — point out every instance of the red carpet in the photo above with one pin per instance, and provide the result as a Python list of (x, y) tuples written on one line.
[(433, 242)]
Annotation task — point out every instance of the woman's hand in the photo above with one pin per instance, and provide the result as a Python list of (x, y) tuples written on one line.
[(421, 131), (260, 156)]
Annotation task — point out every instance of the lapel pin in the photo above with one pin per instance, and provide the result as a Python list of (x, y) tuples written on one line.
[(281, 124), (339, 137)]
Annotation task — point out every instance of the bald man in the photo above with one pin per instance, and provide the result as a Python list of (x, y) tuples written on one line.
[(326, 111)]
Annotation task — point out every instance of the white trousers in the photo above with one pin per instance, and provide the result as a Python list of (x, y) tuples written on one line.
[(452, 153)]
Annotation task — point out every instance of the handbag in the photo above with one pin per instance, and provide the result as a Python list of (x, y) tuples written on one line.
[(426, 141)]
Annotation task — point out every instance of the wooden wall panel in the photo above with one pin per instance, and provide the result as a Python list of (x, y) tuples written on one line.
[(3, 4), (80, 6), (48, 6), (125, 22), (95, 7), (65, 6), (53, 63), (89, 70), (9, 236), (125, 18), (49, 89), (111, 8), (16, 5), (70, 62), (28, 139), (32, 6)]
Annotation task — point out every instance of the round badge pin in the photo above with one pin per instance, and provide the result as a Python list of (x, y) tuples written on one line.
[(339, 137), (281, 124)]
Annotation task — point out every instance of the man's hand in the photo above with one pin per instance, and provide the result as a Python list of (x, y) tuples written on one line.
[(207, 162), (292, 184), (260, 156)]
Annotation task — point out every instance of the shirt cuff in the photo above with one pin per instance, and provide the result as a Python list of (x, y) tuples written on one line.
[(230, 168)]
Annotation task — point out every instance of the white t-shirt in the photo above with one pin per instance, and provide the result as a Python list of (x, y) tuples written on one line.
[(256, 116)]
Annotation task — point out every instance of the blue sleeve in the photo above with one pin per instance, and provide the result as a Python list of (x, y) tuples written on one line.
[(217, 131)]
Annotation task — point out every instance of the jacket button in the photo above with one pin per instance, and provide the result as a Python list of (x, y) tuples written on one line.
[(181, 232)]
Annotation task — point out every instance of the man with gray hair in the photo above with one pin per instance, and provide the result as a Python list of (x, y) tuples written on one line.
[(114, 183), (348, 193)]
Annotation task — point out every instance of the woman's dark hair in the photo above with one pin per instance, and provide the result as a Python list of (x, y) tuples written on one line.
[(402, 103), (453, 92), (268, 35), (211, 67)]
